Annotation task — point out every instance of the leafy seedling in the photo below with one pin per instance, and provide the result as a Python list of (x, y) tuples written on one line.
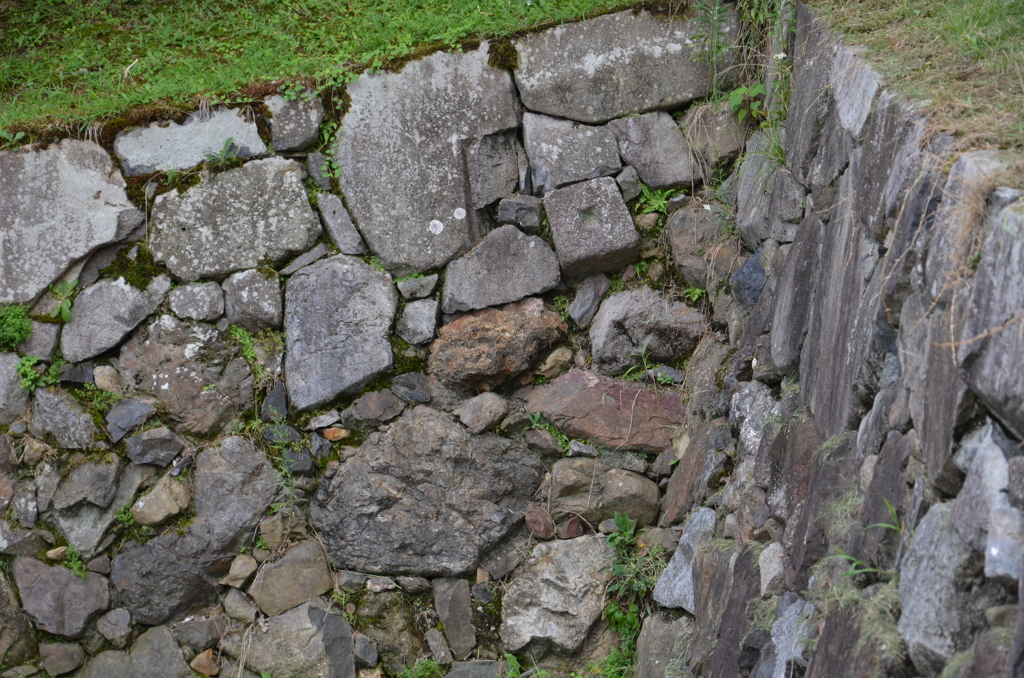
[(744, 101), (63, 292)]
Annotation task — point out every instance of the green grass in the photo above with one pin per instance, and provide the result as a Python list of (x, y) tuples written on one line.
[(964, 56), (65, 63)]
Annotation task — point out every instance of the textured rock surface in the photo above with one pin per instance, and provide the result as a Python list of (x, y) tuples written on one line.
[(642, 322), (556, 596), (338, 224), (167, 145), (105, 313), (592, 228), (169, 497), (73, 184), (234, 221), (13, 399), (294, 124), (252, 300), (337, 342), (522, 211), (61, 416), (154, 446), (204, 301), (588, 300), (200, 379), (410, 194), (563, 152), (431, 487), (505, 267), (85, 524), (299, 575), (455, 608), (655, 147), (594, 491), (57, 599), (609, 412), (489, 347), (662, 645), (675, 587), (613, 65), (703, 253), (482, 412), (418, 322)]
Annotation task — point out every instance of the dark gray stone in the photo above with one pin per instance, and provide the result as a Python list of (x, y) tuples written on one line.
[(60, 658), (483, 412), (336, 344), (280, 434), (296, 577), (364, 650), (60, 415), (592, 228), (252, 300), (418, 321), (156, 446), (810, 101), (202, 301), (82, 373), (201, 633), (792, 301), (115, 626), (493, 167), (317, 166), (275, 405), (505, 267), (57, 599), (786, 207), (125, 416), (435, 470), (588, 299), (305, 259), (663, 646), (563, 152), (754, 177), (617, 64), (478, 668), (412, 387), (412, 196), (85, 525), (60, 204), (13, 398), (248, 215), (675, 587), (42, 342), (454, 606), (749, 280), (338, 225), (704, 254), (655, 147), (594, 491), (166, 145), (294, 124), (92, 481), (438, 647), (373, 408), (713, 133), (418, 288), (522, 211), (639, 322), (629, 183)]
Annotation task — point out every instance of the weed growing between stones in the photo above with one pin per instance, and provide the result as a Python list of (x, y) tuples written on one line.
[(33, 377), (424, 668), (134, 264), (15, 326)]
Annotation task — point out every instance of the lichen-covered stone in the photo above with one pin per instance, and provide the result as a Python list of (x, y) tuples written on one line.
[(592, 228), (655, 147), (105, 313), (294, 124), (563, 152), (252, 300)]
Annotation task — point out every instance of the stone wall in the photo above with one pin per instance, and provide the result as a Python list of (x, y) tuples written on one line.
[(326, 423)]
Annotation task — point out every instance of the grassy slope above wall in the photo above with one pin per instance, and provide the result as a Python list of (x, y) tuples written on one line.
[(66, 63)]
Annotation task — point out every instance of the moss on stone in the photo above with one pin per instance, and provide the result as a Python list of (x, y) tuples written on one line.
[(135, 265), (502, 55)]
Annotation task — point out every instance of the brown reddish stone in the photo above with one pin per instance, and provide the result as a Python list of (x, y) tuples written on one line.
[(488, 347), (571, 529), (539, 522), (609, 412), (335, 434), (204, 664)]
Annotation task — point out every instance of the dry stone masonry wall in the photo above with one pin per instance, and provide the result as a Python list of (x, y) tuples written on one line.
[(307, 422)]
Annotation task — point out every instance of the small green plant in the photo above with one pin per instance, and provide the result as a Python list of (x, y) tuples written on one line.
[(652, 200), (746, 102), (857, 566), (637, 371), (513, 669), (32, 378), (376, 264), (896, 524), (63, 292), (537, 421), (224, 157), (710, 17), (694, 293), (424, 668), (125, 517), (561, 304), (247, 343), (73, 561), (15, 326), (10, 140)]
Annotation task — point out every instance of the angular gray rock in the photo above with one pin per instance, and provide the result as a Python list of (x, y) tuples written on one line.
[(204, 301), (417, 288), (640, 327), (588, 299), (675, 587), (629, 183), (492, 164), (482, 412), (336, 343), (556, 595), (57, 599), (418, 321), (212, 383), (454, 606), (793, 628), (234, 220), (853, 85), (309, 640), (427, 484), (294, 124), (409, 191), (563, 152), (713, 133), (299, 575), (165, 145), (60, 204), (93, 481), (155, 654), (655, 147), (60, 415), (338, 224), (252, 299), (305, 259), (505, 267), (754, 176), (155, 446), (104, 314), (169, 497), (42, 342), (593, 490), (115, 626), (614, 65), (522, 211), (749, 412), (60, 658), (317, 166), (592, 228), (125, 416), (13, 398), (663, 646), (373, 408)]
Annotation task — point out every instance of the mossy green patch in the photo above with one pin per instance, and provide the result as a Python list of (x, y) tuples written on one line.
[(135, 264), (15, 326), (502, 55)]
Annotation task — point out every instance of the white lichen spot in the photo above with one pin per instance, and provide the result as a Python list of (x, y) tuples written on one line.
[(436, 227), (460, 213)]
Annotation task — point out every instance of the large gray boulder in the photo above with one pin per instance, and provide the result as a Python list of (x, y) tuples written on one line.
[(13, 398), (105, 313), (310, 640), (60, 415), (424, 497), (166, 145), (556, 596), (507, 266), (563, 152), (57, 599), (60, 204), (642, 328), (656, 148), (615, 65), (337, 319), (592, 228), (234, 220), (675, 587), (409, 140)]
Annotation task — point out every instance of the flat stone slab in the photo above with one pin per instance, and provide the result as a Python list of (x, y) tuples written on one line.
[(507, 266), (234, 220), (339, 224), (13, 398), (405, 152), (165, 145), (563, 152), (59, 205), (336, 343), (592, 228), (655, 147), (615, 65), (57, 599), (299, 575), (294, 124)]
